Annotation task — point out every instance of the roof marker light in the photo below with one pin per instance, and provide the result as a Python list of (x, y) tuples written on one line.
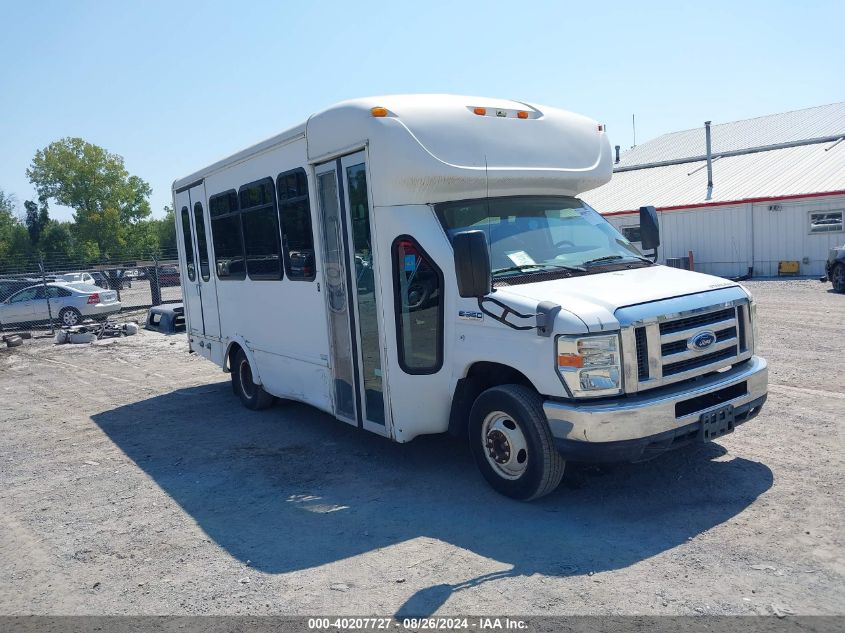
[(601, 127), (378, 111), (522, 114), (480, 111)]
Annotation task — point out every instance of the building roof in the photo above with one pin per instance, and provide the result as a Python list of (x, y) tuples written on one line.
[(799, 126), (776, 156)]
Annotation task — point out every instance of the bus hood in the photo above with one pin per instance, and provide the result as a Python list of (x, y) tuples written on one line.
[(595, 298)]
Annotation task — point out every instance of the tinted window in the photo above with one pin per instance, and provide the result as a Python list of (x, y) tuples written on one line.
[(297, 234), (368, 312), (202, 245), (54, 291), (28, 294), (226, 236), (189, 246), (223, 203), (418, 297), (261, 230)]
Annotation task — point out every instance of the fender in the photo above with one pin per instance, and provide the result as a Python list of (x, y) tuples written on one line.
[(241, 341)]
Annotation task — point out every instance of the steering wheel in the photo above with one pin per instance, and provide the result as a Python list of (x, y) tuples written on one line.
[(562, 242)]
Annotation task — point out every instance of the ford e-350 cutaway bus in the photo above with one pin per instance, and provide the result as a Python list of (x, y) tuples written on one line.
[(422, 264)]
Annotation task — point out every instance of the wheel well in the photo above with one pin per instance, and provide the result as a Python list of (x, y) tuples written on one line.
[(480, 377), (234, 348)]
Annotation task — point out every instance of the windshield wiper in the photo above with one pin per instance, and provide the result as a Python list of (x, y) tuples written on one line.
[(523, 268), (613, 258)]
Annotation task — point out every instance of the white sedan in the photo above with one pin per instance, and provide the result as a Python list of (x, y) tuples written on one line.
[(67, 303), (77, 277)]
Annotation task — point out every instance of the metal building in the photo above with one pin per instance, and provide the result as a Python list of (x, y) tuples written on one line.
[(776, 192)]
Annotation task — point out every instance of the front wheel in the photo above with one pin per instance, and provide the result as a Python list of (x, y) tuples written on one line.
[(837, 277), (512, 444), (252, 395)]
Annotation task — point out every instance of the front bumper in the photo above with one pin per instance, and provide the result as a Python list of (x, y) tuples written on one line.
[(623, 429)]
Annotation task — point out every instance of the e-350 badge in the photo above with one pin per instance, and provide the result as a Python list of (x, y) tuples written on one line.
[(470, 315)]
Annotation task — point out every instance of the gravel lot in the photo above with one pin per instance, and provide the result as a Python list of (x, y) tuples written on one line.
[(132, 482)]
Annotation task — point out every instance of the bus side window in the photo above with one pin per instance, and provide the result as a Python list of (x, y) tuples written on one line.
[(418, 303), (227, 235), (297, 234), (261, 230)]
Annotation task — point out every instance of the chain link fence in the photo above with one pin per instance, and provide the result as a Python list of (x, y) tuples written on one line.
[(41, 295)]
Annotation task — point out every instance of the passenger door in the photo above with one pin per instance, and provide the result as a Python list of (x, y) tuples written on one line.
[(352, 293), (21, 306), (191, 291), (206, 279)]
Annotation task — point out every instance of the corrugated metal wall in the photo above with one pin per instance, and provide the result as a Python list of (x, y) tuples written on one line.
[(724, 238)]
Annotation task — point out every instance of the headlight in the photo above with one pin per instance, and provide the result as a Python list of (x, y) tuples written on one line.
[(590, 365)]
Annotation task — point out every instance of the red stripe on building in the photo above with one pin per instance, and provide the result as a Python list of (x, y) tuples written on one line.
[(700, 205)]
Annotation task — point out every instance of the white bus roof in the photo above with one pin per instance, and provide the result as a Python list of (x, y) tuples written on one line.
[(434, 148)]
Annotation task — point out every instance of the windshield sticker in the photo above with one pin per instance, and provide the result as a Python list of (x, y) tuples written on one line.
[(591, 216), (520, 258), (410, 263)]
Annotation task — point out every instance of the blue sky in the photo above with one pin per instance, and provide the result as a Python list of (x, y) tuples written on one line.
[(173, 86)]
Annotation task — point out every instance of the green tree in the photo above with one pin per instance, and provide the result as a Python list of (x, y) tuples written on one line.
[(107, 200), (57, 244), (8, 229), (37, 217)]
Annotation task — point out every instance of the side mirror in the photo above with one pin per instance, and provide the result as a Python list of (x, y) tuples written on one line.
[(649, 229), (472, 264)]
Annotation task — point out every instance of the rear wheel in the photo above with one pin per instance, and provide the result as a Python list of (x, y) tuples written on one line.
[(252, 395), (70, 316), (837, 277), (512, 444)]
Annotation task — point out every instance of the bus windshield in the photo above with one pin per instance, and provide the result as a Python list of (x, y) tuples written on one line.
[(529, 234)]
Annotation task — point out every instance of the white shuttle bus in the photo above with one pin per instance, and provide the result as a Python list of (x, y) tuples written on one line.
[(422, 264)]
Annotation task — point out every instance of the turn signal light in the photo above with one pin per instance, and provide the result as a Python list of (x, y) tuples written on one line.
[(522, 114), (480, 111), (378, 112), (569, 360)]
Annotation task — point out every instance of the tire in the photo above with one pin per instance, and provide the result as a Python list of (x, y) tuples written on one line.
[(70, 316), (511, 442), (837, 277), (252, 396), (418, 295)]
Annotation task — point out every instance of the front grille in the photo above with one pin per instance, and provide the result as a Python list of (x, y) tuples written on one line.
[(642, 353), (696, 321), (680, 346), (664, 355), (700, 361), (740, 315)]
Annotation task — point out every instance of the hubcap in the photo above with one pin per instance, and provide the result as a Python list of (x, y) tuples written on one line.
[(504, 444), (70, 318), (246, 379)]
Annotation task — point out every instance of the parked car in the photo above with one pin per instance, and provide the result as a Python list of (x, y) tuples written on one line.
[(67, 303), (835, 268), (76, 277), (168, 276), (111, 279), (10, 286)]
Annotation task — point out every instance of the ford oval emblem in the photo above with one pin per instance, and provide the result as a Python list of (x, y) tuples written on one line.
[(701, 341)]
